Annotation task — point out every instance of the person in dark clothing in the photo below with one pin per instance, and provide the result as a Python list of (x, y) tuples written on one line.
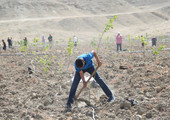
[(142, 41), (4, 45), (25, 41), (50, 39), (154, 39), (9, 42)]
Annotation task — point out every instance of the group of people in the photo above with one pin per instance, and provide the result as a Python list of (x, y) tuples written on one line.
[(25, 42), (119, 41), (10, 41), (50, 39)]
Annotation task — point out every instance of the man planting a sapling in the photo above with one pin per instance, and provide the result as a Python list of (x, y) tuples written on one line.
[(83, 64)]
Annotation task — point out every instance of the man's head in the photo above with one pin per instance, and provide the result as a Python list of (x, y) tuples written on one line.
[(80, 63)]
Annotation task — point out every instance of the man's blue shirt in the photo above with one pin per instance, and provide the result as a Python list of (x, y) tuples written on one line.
[(88, 59)]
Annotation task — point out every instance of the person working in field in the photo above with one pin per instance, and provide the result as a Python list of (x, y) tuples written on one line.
[(142, 41), (84, 64), (9, 42), (119, 41), (154, 39), (25, 41), (4, 45), (50, 39), (75, 40), (43, 41)]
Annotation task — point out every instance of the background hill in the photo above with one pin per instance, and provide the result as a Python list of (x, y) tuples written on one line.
[(85, 19)]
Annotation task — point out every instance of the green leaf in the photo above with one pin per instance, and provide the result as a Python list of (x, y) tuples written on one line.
[(115, 17), (33, 52), (46, 69)]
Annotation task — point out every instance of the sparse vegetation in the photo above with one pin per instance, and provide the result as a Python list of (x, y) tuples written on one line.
[(70, 47), (107, 28)]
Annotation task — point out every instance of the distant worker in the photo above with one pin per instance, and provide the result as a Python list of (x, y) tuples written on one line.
[(154, 39), (142, 41), (50, 39), (4, 45), (9, 42), (43, 41), (25, 41), (75, 40), (119, 41)]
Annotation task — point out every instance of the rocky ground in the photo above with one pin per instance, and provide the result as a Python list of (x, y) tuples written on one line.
[(139, 76), (142, 77)]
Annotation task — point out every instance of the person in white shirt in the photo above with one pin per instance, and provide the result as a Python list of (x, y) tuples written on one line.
[(75, 40), (43, 41)]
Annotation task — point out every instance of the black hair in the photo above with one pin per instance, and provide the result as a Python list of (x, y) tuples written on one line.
[(79, 63)]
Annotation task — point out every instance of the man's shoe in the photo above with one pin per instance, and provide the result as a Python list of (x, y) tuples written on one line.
[(68, 106), (111, 99)]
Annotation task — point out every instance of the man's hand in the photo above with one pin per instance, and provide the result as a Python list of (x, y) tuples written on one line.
[(97, 59), (84, 84), (100, 64), (82, 77)]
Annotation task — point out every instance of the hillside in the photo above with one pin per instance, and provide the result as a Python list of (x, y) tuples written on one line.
[(86, 19)]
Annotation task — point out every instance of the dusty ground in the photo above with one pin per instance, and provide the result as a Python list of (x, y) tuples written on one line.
[(42, 96)]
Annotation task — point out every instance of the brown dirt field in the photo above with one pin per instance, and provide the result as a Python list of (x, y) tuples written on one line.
[(42, 96)]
